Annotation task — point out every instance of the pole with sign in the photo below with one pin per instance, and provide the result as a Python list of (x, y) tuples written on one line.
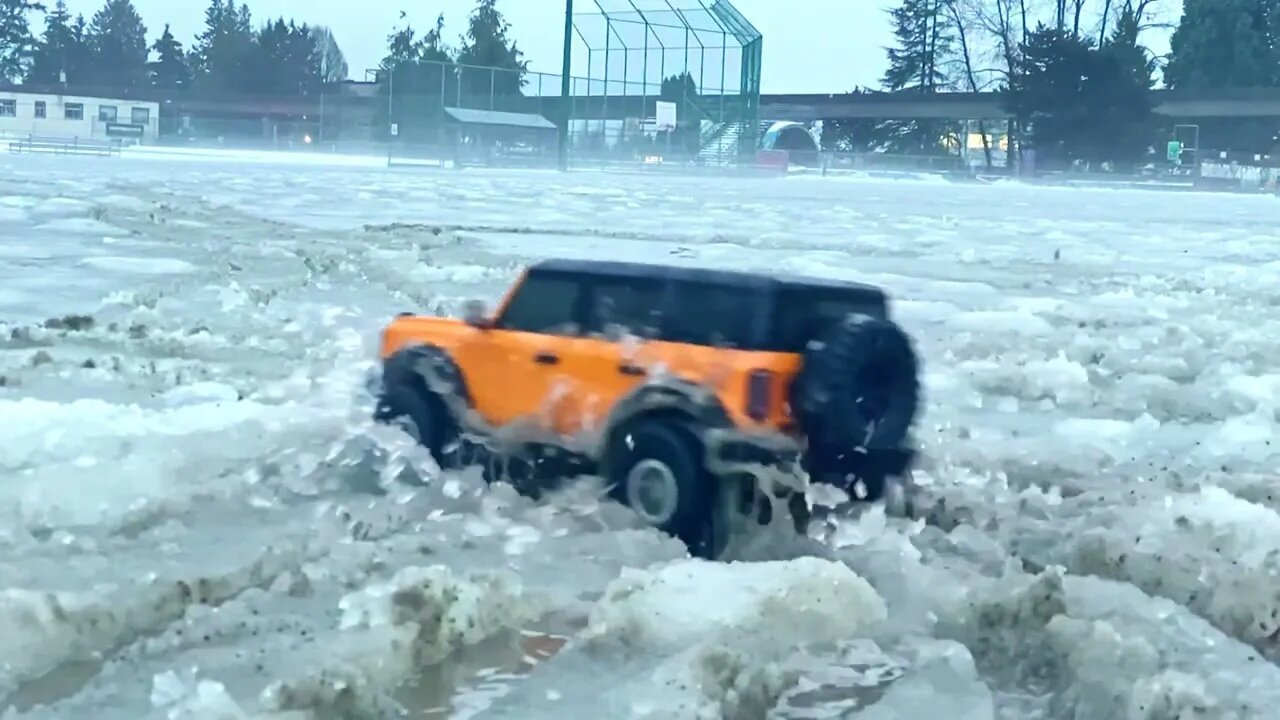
[(664, 119), (665, 115), (565, 66)]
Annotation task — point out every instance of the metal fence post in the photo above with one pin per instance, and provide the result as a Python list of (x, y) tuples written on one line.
[(564, 85)]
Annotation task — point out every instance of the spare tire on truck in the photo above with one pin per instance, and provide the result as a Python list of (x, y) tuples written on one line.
[(856, 398)]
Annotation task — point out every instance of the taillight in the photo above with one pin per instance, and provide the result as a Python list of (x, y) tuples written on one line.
[(759, 383)]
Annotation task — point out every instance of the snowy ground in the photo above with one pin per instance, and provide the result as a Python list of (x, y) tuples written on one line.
[(198, 521)]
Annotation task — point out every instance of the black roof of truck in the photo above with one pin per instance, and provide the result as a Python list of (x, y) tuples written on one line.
[(746, 280)]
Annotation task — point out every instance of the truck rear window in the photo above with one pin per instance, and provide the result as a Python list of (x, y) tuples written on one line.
[(803, 315)]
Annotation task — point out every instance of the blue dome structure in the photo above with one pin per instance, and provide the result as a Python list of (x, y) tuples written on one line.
[(787, 135), (794, 138)]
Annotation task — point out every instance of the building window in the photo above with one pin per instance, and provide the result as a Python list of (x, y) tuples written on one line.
[(42, 109), (8, 108), (140, 116), (74, 111), (108, 113)]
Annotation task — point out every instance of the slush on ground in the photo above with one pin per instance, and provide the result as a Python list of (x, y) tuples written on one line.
[(198, 519)]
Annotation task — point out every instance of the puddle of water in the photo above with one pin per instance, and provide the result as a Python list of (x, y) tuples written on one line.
[(470, 682)]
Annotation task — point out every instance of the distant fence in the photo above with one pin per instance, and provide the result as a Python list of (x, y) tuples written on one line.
[(836, 162), (1237, 171), (55, 145)]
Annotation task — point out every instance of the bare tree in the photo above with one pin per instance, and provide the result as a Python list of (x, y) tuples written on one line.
[(994, 31), (1144, 10), (1078, 12), (963, 22), (995, 18), (333, 63)]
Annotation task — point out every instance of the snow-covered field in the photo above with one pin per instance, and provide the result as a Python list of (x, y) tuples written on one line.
[(198, 521)]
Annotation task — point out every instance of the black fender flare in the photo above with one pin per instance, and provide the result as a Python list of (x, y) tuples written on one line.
[(431, 370), (680, 400)]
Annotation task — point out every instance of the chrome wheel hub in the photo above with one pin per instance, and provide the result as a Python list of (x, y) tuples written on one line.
[(653, 491)]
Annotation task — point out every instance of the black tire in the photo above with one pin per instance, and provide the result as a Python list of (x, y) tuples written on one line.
[(680, 504), (859, 388), (404, 401)]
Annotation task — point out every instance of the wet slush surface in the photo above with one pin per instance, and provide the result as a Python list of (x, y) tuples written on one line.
[(197, 519)]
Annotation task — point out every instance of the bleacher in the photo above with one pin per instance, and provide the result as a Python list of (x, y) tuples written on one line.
[(65, 146)]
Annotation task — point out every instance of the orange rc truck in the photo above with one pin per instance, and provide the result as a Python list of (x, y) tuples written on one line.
[(674, 384)]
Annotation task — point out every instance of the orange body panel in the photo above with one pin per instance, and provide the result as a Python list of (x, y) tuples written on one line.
[(505, 382), (578, 393)]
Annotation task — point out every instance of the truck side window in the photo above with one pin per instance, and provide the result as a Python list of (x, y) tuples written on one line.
[(544, 304), (625, 305), (709, 314)]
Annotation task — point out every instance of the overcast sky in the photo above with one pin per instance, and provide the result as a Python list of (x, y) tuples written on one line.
[(809, 45)]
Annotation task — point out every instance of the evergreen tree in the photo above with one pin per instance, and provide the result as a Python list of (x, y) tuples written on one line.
[(118, 43), (16, 42), (207, 42), (222, 52), (80, 54), (1045, 95), (925, 39), (170, 70), (486, 45), (57, 50), (683, 91), (1225, 43), (418, 80), (285, 60), (333, 63), (1122, 85), (1084, 104), (853, 135), (1124, 44)]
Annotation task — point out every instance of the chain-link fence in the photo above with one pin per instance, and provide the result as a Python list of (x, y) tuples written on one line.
[(700, 58), (634, 62), (652, 82)]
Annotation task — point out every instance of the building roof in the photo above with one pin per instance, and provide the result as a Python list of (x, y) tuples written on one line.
[(495, 117)]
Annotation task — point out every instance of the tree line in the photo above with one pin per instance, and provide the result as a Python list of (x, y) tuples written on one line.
[(110, 50), (422, 73), (1074, 75)]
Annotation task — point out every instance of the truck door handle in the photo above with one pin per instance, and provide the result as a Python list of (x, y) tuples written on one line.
[(546, 358), (629, 369)]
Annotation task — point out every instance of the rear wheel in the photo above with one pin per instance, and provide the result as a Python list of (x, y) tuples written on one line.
[(656, 470)]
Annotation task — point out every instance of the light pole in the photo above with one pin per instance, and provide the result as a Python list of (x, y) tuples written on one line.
[(564, 85), (324, 80)]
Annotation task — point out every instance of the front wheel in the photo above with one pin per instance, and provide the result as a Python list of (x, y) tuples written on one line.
[(656, 470), (422, 416)]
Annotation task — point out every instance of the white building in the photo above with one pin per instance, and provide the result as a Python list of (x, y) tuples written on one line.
[(67, 116)]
